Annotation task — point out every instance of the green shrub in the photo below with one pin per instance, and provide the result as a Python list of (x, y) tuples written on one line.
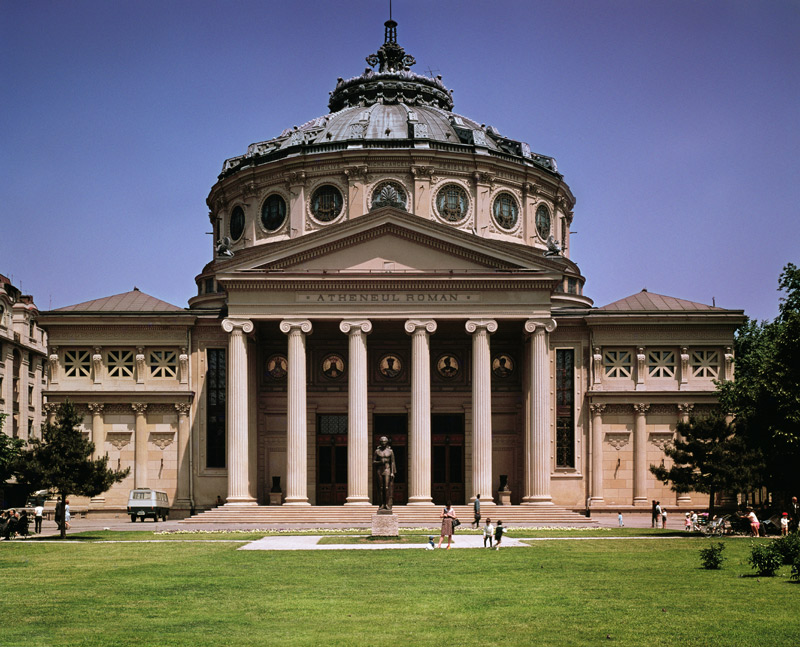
[(796, 569), (788, 547), (712, 556), (765, 558)]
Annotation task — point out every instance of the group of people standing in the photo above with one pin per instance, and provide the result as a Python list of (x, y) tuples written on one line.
[(450, 522), (13, 524), (659, 515)]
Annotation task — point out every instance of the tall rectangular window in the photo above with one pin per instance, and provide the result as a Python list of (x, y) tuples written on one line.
[(565, 407), (216, 407)]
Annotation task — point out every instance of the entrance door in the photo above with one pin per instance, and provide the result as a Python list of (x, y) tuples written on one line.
[(447, 458), (331, 459), (395, 428)]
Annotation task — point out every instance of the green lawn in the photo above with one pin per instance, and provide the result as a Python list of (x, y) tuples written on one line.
[(638, 592)]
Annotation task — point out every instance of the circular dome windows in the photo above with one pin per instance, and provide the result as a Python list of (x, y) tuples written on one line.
[(543, 221), (326, 203), (452, 203), (273, 212), (505, 211), (237, 223)]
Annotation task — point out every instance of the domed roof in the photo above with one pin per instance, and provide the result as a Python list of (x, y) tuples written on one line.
[(390, 108)]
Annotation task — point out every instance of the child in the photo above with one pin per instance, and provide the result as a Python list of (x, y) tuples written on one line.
[(784, 524), (488, 531), (687, 523), (619, 519), (430, 545), (498, 534)]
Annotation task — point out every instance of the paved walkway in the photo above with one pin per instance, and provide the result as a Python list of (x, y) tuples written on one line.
[(310, 542)]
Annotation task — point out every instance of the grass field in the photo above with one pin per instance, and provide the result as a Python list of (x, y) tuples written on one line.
[(636, 592)]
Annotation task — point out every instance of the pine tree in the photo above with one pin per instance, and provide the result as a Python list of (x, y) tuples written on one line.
[(709, 456), (62, 461)]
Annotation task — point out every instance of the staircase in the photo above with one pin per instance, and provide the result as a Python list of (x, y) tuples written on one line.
[(361, 516)]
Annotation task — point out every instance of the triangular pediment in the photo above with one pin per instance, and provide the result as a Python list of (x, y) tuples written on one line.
[(386, 241)]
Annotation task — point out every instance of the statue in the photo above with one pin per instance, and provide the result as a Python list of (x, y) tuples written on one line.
[(385, 469)]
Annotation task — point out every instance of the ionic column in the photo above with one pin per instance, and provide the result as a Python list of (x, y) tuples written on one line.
[(537, 445), (640, 454), (296, 424), (182, 493), (684, 411), (98, 438), (597, 453), (419, 441), (358, 458), (237, 423), (480, 329), (140, 446)]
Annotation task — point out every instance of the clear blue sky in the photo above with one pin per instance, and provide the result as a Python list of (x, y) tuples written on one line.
[(676, 124)]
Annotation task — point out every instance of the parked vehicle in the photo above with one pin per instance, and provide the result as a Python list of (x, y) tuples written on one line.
[(145, 502)]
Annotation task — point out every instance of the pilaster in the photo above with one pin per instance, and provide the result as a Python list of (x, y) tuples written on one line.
[(640, 454)]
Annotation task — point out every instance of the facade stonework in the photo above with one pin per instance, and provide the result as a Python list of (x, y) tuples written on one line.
[(389, 269)]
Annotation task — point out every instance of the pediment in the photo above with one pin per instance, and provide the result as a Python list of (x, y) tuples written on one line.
[(389, 241)]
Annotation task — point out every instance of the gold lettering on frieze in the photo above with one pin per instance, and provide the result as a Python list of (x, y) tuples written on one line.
[(387, 297)]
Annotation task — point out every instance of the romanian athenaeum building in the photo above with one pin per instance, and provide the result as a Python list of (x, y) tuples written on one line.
[(391, 268)]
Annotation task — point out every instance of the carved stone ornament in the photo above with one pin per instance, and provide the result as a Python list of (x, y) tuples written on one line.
[(728, 363), (52, 364), (641, 363), (118, 439), (641, 409), (597, 365), (474, 325), (183, 364), (661, 439), (139, 408), (547, 325), (356, 326), (183, 408), (618, 440), (426, 325), (97, 364), (597, 408), (140, 365), (685, 408), (287, 326), (684, 364), (96, 407), (162, 439), (239, 325)]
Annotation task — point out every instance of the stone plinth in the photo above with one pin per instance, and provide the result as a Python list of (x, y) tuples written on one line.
[(275, 498), (504, 498), (384, 525)]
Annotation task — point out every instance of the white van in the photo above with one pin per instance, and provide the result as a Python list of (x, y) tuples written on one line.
[(145, 502)]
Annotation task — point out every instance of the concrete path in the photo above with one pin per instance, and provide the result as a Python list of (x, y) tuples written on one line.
[(311, 542)]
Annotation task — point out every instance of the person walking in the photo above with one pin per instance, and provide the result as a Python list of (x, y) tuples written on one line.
[(663, 518), (67, 515), (498, 534), (476, 508), (488, 532), (654, 516), (619, 519), (38, 511), (448, 516)]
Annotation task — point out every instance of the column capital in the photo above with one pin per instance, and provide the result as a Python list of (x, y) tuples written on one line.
[(356, 326), (288, 325), (182, 408), (597, 408), (641, 408), (96, 407), (474, 325), (229, 325), (685, 407), (51, 407), (532, 325), (412, 325), (139, 408)]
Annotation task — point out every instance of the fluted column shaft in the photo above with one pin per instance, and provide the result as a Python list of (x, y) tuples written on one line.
[(140, 446), (238, 426), (182, 492), (684, 411), (98, 438), (296, 423), (537, 456), (480, 329), (358, 459), (640, 454), (419, 481), (597, 453)]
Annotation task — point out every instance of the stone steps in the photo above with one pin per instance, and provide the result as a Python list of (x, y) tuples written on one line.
[(359, 516)]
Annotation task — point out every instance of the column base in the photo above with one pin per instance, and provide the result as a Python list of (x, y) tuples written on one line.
[(684, 499), (641, 502), (537, 500), (419, 500), (238, 502), (296, 501), (596, 500), (357, 500)]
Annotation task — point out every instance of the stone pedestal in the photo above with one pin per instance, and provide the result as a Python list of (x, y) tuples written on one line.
[(275, 498), (384, 525), (504, 498)]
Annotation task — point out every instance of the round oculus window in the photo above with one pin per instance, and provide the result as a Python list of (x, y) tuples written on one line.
[(452, 203), (273, 212), (237, 223), (389, 194), (326, 203), (505, 211), (543, 221)]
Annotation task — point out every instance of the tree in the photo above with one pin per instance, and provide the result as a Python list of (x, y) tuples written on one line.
[(710, 457), (61, 461), (10, 449), (765, 396)]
